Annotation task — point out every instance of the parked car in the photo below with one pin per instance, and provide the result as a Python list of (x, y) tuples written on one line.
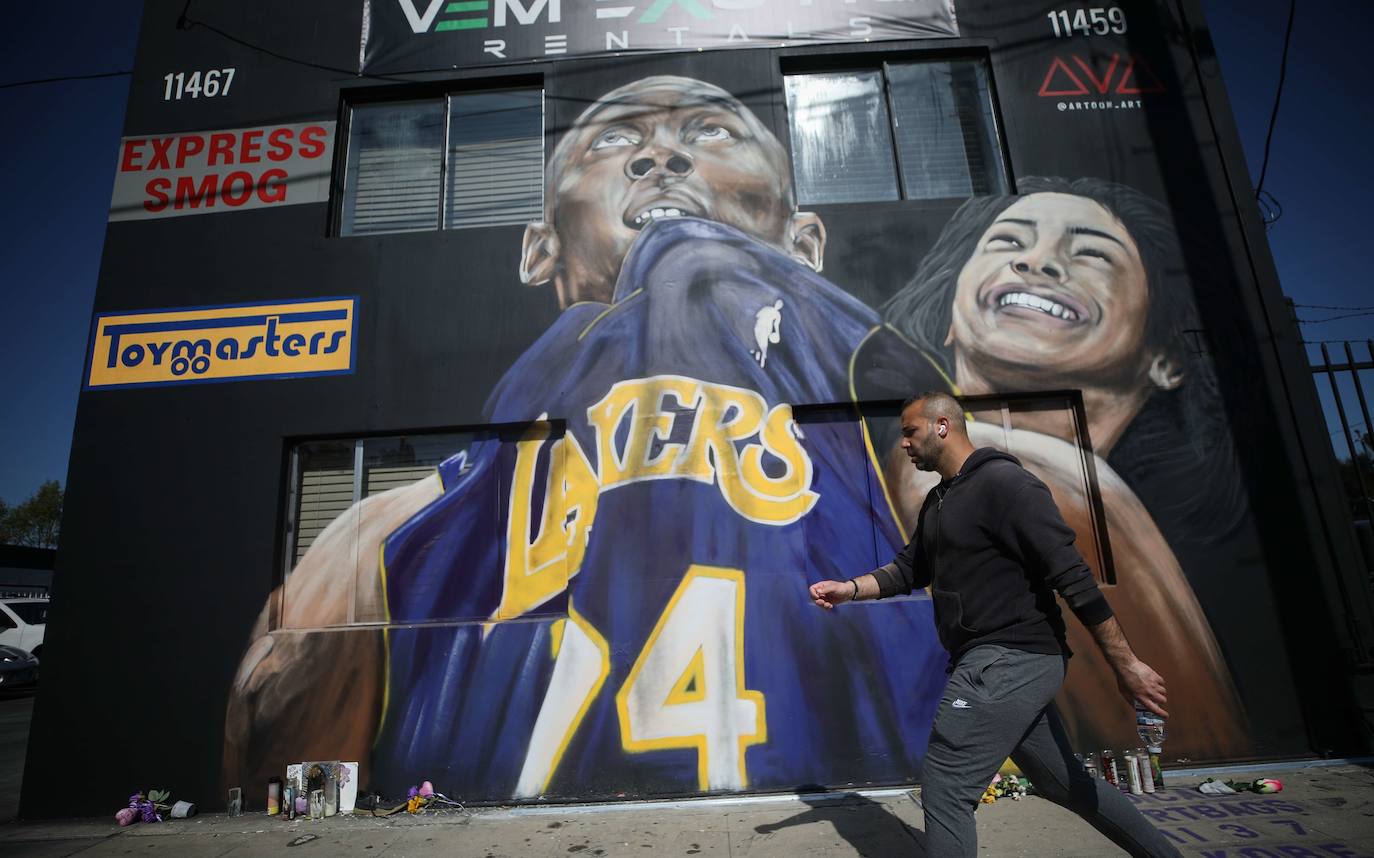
[(22, 624), (17, 668)]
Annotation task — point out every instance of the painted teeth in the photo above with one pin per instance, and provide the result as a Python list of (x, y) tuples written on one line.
[(1035, 302), (655, 214)]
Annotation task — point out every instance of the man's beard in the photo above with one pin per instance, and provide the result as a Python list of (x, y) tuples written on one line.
[(927, 454)]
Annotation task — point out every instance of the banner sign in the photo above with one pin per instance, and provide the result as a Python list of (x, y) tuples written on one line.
[(299, 338), (415, 35), (203, 172)]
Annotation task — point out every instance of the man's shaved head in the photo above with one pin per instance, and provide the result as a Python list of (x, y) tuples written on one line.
[(657, 148), (936, 404), (934, 435)]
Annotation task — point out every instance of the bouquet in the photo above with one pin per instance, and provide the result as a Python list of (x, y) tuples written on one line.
[(143, 808)]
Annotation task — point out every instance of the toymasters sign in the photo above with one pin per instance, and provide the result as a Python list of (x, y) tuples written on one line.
[(409, 35)]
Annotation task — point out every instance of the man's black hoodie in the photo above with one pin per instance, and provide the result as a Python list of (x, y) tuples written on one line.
[(991, 545)]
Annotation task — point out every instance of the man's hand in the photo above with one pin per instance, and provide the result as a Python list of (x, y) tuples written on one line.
[(828, 594), (1138, 681)]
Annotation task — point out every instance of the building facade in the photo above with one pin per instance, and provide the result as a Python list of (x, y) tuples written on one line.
[(475, 388)]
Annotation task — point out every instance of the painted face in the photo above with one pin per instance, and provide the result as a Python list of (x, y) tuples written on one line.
[(670, 153), (1055, 288), (920, 441)]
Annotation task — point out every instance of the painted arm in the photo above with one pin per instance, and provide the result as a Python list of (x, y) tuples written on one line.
[(312, 688), (1152, 597)]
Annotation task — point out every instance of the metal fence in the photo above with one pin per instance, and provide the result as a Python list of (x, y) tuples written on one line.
[(1351, 439)]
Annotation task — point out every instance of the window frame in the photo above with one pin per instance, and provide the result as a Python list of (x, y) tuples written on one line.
[(831, 59), (476, 81), (288, 517)]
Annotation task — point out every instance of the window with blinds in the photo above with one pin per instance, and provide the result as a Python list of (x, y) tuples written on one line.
[(919, 130), (345, 495), (467, 160), (329, 477)]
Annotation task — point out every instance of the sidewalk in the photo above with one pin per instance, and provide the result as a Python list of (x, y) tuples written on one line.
[(1324, 812)]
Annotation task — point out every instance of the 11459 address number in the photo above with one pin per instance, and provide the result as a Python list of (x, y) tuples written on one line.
[(1085, 22)]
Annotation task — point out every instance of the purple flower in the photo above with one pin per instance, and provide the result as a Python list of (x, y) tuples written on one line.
[(144, 808), (126, 816), (412, 792)]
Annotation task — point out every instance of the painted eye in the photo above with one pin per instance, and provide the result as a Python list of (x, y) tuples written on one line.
[(711, 134), (615, 138), (1004, 242)]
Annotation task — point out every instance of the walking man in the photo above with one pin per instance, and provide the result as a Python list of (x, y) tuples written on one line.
[(991, 545)]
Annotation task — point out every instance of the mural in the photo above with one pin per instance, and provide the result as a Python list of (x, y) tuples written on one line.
[(1080, 285), (608, 595)]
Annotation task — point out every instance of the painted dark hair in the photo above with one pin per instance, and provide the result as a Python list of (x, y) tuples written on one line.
[(1177, 453)]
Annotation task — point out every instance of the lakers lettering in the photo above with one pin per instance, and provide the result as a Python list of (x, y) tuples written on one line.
[(752, 453)]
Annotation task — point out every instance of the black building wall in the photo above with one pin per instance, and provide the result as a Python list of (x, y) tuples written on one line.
[(177, 495)]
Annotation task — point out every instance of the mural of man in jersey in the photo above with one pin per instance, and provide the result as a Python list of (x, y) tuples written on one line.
[(642, 571)]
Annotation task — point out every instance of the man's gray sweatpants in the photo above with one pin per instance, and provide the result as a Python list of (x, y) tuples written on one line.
[(998, 704)]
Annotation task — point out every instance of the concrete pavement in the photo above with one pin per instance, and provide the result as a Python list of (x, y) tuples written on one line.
[(15, 712), (1324, 812)]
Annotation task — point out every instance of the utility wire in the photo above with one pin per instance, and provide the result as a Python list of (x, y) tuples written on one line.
[(61, 78), (1274, 114), (186, 22), (1326, 307), (1270, 208), (1334, 318)]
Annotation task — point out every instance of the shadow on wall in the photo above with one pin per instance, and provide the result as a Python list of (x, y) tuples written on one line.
[(866, 825)]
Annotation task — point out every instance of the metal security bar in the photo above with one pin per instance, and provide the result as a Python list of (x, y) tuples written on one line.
[(1360, 459)]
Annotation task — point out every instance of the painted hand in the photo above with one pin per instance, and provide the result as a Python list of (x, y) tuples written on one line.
[(828, 594)]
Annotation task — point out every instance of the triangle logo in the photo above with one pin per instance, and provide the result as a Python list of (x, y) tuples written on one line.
[(1063, 78), (1105, 83), (1138, 79)]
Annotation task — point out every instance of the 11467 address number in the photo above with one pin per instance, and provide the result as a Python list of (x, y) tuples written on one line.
[(212, 83)]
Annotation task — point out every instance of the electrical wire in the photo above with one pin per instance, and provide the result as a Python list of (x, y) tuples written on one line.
[(1334, 318), (1328, 307), (65, 77), (1270, 208), (1278, 94), (185, 22)]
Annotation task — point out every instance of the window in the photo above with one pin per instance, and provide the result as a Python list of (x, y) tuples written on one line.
[(919, 130), (338, 488), (331, 476), (466, 160), (33, 613)]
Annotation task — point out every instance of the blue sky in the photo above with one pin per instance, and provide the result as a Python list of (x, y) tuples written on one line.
[(59, 160)]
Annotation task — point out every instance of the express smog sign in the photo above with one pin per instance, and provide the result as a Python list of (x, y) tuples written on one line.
[(295, 338), (204, 172)]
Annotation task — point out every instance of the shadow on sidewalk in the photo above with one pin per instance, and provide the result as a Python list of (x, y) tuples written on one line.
[(863, 823)]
